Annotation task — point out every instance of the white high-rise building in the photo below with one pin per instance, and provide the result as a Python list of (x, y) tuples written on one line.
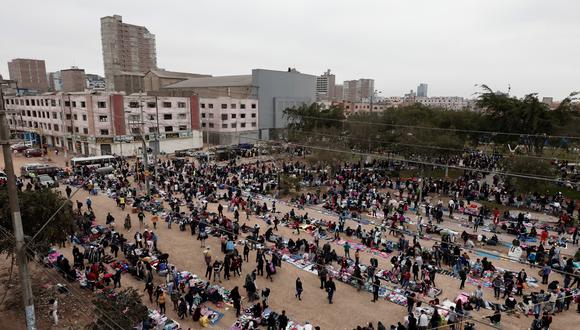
[(422, 90)]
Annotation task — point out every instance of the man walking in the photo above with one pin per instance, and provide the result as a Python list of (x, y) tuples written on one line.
[(330, 288), (299, 288)]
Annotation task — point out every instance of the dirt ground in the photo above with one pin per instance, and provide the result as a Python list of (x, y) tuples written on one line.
[(350, 308)]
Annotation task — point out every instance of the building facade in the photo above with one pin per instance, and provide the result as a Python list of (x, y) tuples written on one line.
[(325, 86), (95, 82), (226, 120), (54, 82), (454, 103), (107, 123), (422, 90), (30, 74), (126, 47), (358, 90), (73, 80)]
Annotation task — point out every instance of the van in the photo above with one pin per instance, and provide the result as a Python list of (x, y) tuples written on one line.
[(29, 170)]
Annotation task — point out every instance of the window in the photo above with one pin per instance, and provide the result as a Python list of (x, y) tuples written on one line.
[(233, 125), (181, 116), (181, 104), (76, 129), (84, 117), (50, 126), (202, 124), (134, 117), (75, 117), (167, 116), (34, 114), (152, 129), (183, 127), (225, 116), (101, 105), (85, 130), (224, 125), (254, 124), (224, 106), (83, 104), (203, 105), (243, 115), (167, 104), (67, 103), (53, 103), (253, 115), (55, 127), (135, 130), (253, 105), (33, 101), (28, 113), (27, 102), (211, 115), (168, 128), (74, 104), (151, 104), (151, 117), (104, 132), (203, 115), (210, 125), (210, 105), (103, 119), (133, 104), (232, 106), (233, 116), (242, 125)]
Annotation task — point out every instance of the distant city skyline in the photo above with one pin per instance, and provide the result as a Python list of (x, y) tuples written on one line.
[(527, 44)]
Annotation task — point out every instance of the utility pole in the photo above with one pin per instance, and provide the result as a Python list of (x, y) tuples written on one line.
[(145, 160), (27, 296)]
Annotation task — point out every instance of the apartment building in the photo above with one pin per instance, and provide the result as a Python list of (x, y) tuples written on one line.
[(454, 103), (358, 90), (73, 80), (325, 86), (107, 123), (228, 120), (30, 74), (126, 48)]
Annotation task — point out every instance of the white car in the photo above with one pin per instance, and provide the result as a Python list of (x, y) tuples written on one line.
[(46, 181)]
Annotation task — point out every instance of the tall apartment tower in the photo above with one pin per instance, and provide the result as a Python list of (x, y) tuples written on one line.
[(73, 80), (30, 74), (358, 90), (126, 48), (325, 86), (422, 90)]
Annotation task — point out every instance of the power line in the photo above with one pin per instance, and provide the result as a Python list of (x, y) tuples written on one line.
[(349, 121), (426, 146)]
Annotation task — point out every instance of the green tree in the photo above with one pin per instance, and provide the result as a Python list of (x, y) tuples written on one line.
[(36, 208), (315, 115), (123, 308), (529, 167)]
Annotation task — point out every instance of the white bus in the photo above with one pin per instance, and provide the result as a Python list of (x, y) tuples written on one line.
[(93, 162)]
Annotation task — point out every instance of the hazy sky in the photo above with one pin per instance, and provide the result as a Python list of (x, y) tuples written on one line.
[(532, 45)]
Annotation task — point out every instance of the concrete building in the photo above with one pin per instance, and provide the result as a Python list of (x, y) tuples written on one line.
[(358, 90), (54, 82), (30, 74), (73, 80), (274, 90), (226, 120), (129, 82), (325, 86), (126, 48), (338, 92), (92, 123), (422, 90), (454, 103), (359, 107), (156, 79), (95, 82)]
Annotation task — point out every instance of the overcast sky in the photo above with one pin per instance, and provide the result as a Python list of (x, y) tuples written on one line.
[(532, 45)]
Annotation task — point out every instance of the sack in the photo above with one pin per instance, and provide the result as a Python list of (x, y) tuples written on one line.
[(204, 321)]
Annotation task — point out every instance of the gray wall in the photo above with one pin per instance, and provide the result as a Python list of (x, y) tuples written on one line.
[(278, 90)]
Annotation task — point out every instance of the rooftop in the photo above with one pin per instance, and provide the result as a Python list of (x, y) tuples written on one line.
[(173, 74), (222, 81)]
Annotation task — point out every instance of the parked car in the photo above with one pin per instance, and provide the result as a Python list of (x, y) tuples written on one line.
[(33, 153), (46, 181), (19, 147)]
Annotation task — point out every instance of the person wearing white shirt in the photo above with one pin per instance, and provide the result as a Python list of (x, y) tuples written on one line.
[(308, 326), (423, 321)]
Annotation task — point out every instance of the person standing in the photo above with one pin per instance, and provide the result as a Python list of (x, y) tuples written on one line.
[(346, 250), (410, 303), (478, 295), (54, 310), (299, 288), (376, 286), (322, 276), (237, 300), (462, 277), (89, 204), (330, 289), (117, 278), (497, 284), (282, 321), (546, 273), (423, 321), (161, 302)]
